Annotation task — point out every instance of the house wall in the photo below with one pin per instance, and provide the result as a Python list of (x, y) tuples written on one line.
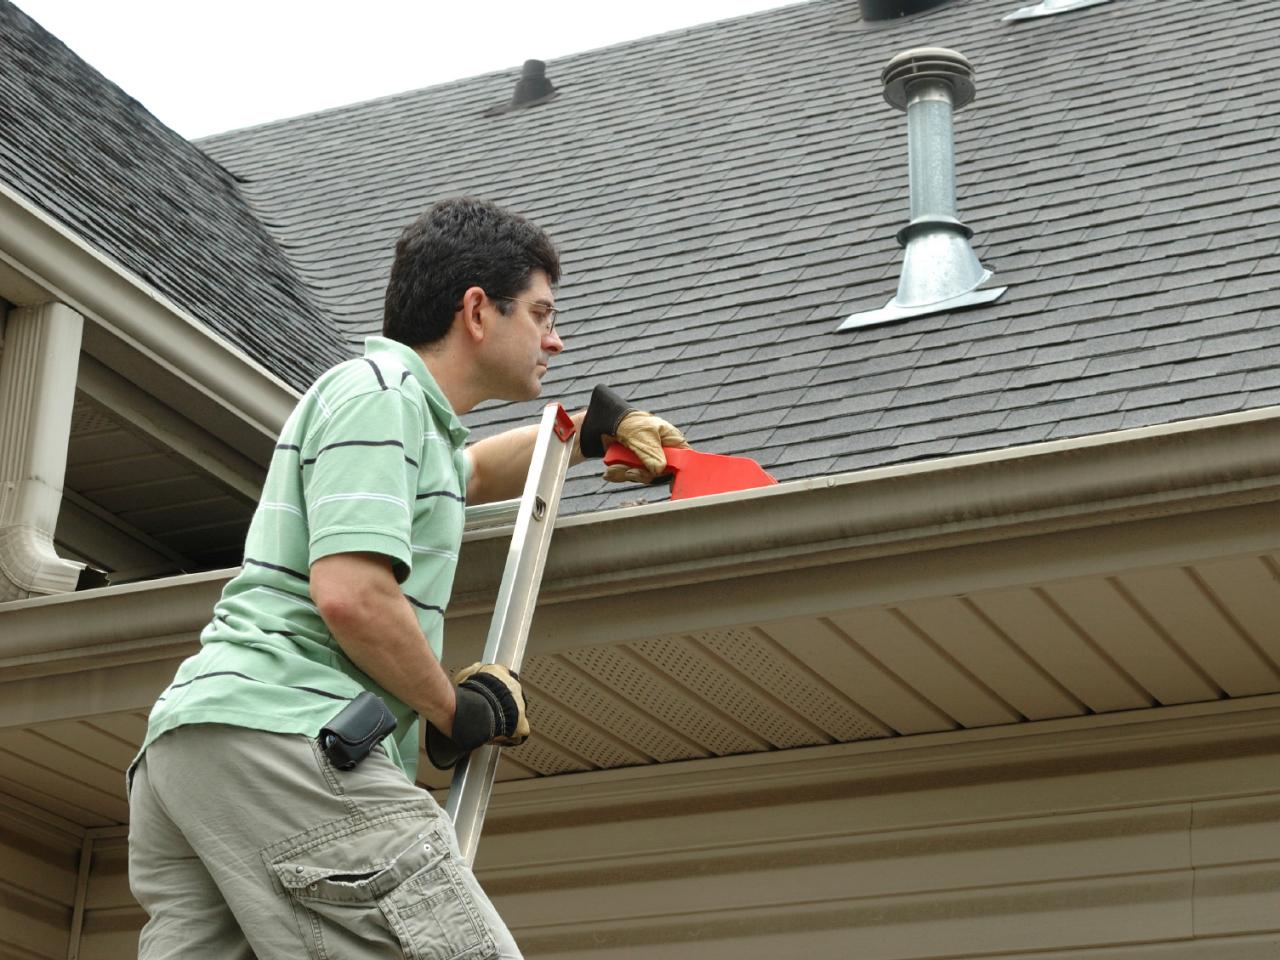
[(1112, 839), (38, 873), (1151, 841), (112, 917)]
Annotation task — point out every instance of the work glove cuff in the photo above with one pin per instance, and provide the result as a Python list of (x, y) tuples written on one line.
[(604, 414), (479, 716), (443, 753)]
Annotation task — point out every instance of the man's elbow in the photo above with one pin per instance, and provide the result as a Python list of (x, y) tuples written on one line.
[(340, 608), (349, 590)]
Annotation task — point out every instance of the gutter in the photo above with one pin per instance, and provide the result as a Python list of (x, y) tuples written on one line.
[(1035, 489), (51, 255), (1224, 470)]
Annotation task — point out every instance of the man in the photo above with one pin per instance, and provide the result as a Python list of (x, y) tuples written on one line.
[(248, 838)]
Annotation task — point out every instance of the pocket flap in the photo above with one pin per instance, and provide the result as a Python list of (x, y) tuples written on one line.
[(338, 871)]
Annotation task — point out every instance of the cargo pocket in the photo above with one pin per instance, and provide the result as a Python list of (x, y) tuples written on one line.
[(413, 904)]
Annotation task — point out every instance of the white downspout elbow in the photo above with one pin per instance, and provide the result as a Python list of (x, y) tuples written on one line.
[(37, 392)]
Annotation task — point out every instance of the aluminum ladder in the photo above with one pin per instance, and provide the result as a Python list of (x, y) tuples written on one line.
[(535, 517)]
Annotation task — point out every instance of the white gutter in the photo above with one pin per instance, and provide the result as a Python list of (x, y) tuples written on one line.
[(1208, 467), (53, 257)]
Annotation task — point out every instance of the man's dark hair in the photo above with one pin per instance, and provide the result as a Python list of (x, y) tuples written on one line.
[(460, 243)]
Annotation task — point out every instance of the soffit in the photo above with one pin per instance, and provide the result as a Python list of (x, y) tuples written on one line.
[(19, 289), (135, 508), (1132, 640)]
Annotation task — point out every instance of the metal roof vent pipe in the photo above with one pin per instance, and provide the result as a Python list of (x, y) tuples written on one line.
[(940, 271)]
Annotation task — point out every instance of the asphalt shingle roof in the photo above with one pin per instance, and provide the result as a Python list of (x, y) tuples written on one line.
[(724, 196), (77, 146)]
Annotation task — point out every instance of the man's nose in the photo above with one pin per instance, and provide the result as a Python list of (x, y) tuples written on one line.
[(552, 343)]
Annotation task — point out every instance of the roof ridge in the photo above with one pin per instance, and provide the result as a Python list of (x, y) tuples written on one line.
[(501, 73)]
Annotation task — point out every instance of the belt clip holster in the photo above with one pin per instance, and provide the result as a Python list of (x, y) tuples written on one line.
[(355, 730)]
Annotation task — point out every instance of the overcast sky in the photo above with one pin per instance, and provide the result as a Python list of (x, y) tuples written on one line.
[(204, 68)]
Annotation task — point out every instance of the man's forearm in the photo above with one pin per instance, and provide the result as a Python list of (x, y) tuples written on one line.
[(376, 628), (500, 464)]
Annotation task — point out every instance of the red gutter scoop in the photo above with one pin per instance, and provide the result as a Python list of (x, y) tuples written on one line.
[(699, 474)]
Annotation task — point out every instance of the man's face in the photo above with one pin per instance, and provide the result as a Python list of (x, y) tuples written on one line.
[(523, 340)]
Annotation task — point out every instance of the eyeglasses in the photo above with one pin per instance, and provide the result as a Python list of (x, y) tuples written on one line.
[(543, 315)]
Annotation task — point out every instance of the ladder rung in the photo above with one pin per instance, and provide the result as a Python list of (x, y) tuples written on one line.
[(485, 515)]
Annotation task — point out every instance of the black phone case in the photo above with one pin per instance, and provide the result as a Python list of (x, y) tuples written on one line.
[(355, 730)]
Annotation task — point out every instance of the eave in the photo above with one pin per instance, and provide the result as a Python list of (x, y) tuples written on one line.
[(173, 426), (785, 563), (138, 332)]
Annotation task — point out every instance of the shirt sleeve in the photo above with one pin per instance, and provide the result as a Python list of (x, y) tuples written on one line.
[(359, 478)]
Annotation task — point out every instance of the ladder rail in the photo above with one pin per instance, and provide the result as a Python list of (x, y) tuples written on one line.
[(473, 777)]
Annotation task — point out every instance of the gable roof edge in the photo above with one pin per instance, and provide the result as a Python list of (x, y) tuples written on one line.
[(83, 277)]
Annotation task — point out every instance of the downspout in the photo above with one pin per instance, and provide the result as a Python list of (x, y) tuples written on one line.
[(37, 393)]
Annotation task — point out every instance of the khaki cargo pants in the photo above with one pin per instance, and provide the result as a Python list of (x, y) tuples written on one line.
[(247, 844)]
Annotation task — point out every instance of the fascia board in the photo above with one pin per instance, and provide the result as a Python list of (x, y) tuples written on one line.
[(1200, 468), (54, 258), (134, 621)]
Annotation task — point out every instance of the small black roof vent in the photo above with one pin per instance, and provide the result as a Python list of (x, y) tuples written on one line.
[(893, 9), (533, 85), (532, 88)]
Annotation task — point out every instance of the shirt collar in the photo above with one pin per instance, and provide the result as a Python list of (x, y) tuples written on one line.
[(436, 399)]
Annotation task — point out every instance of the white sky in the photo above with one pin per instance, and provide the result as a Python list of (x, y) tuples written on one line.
[(206, 67)]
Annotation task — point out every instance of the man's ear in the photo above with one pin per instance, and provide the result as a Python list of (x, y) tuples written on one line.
[(473, 300)]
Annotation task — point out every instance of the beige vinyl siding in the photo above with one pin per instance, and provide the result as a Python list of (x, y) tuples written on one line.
[(1079, 840), (38, 873), (112, 917), (1040, 854)]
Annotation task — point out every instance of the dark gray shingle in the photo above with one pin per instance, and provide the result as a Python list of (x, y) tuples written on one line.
[(77, 146)]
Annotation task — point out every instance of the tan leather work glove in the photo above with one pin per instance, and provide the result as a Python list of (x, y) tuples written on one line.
[(490, 709), (611, 418), (646, 435)]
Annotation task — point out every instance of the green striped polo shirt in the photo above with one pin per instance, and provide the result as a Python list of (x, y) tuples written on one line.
[(371, 460)]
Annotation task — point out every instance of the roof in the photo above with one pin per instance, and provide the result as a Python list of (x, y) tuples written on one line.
[(86, 153), (723, 196)]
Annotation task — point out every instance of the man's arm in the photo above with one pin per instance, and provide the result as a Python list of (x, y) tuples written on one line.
[(500, 464), (368, 615)]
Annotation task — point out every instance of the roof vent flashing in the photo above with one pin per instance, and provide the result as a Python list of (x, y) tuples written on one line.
[(940, 271), (1047, 8)]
